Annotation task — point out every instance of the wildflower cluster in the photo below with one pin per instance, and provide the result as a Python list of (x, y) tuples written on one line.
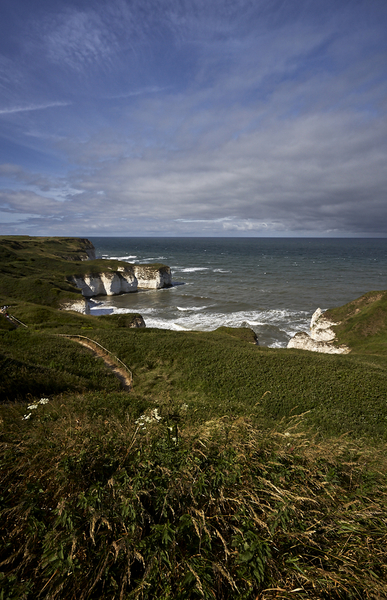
[(34, 407), (154, 417)]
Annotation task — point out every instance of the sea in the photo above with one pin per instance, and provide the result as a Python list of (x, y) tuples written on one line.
[(272, 285)]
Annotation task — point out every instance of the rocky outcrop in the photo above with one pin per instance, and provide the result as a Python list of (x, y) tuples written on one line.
[(82, 306), (137, 322), (108, 283), (151, 277), (321, 338), (123, 280), (321, 327)]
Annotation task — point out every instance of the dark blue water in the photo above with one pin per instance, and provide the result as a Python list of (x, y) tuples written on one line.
[(269, 284)]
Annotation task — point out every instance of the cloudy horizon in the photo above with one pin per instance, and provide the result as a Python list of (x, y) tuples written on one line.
[(187, 118)]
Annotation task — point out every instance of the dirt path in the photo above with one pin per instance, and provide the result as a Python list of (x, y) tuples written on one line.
[(122, 373)]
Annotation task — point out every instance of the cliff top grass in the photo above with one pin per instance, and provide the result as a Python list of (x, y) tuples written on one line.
[(38, 269), (25, 246), (363, 323)]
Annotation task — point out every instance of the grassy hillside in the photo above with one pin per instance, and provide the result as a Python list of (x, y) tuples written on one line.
[(229, 471), (363, 323), (37, 269)]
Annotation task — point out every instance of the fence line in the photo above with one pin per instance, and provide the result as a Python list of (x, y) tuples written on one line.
[(4, 311), (102, 348)]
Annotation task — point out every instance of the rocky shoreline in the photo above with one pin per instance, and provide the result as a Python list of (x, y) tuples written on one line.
[(321, 338)]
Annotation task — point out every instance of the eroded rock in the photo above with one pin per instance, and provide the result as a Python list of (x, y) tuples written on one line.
[(321, 338), (149, 277), (123, 280), (82, 306), (108, 283)]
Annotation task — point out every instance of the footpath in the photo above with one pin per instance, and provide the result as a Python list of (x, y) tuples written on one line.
[(120, 370)]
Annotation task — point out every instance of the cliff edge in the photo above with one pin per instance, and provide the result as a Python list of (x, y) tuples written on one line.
[(63, 272), (358, 326), (321, 338)]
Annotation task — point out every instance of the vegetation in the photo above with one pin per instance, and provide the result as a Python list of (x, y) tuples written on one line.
[(363, 323), (38, 270), (230, 471)]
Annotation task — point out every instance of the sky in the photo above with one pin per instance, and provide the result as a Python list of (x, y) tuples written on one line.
[(193, 118)]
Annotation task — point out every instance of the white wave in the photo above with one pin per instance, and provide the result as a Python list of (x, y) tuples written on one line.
[(135, 258), (105, 308), (221, 271), (191, 308), (123, 258), (101, 310), (153, 259), (190, 269), (280, 324), (276, 326), (143, 311)]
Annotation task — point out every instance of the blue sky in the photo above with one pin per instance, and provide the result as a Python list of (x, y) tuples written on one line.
[(193, 117)]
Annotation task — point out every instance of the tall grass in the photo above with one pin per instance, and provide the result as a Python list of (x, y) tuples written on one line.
[(105, 508)]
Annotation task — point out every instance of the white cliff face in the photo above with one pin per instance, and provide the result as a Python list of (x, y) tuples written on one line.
[(124, 280), (153, 278), (321, 337), (321, 328), (302, 341), (82, 306), (109, 283)]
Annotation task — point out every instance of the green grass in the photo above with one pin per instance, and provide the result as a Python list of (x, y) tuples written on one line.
[(363, 323), (216, 371), (263, 475), (38, 270), (223, 375), (33, 365), (26, 247)]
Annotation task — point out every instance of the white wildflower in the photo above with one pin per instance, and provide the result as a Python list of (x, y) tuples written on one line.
[(32, 406), (43, 401), (26, 417), (156, 415)]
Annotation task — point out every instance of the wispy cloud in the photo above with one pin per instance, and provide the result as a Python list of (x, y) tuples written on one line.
[(31, 107), (140, 92)]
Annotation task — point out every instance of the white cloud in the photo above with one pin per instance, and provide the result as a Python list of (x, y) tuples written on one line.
[(18, 109)]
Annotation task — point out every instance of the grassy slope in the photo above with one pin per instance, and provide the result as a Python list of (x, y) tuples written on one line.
[(363, 323), (243, 486), (36, 269)]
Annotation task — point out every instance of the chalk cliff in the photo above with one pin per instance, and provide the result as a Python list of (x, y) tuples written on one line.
[(108, 283), (82, 306), (321, 338), (152, 277), (122, 280)]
